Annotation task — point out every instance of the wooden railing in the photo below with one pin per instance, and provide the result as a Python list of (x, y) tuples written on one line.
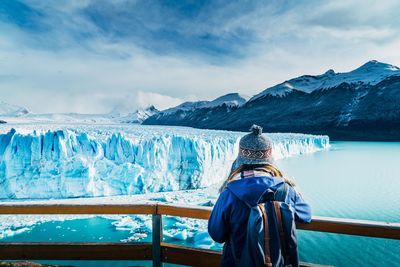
[(157, 251)]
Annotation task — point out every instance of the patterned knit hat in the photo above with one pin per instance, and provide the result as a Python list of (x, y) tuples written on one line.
[(254, 148)]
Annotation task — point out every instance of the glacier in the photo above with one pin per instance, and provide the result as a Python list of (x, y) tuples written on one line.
[(68, 161)]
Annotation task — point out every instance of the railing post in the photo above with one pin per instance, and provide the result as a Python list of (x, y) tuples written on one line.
[(157, 238)]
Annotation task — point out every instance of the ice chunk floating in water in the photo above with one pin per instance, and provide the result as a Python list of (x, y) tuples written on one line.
[(86, 161)]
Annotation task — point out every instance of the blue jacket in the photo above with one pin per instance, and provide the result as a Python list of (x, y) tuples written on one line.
[(230, 213)]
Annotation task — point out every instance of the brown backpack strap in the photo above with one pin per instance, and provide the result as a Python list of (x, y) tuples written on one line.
[(281, 231), (268, 262)]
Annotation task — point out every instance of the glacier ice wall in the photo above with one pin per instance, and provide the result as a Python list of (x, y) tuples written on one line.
[(89, 161)]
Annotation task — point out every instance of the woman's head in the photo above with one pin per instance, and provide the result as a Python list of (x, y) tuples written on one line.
[(254, 149), (255, 153)]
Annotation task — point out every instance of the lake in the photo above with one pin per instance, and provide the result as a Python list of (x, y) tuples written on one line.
[(356, 180)]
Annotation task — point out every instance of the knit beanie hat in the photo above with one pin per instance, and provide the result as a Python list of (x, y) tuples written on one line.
[(254, 148)]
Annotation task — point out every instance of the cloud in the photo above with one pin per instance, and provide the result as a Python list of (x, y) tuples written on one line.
[(125, 104), (88, 56), (145, 99), (8, 77)]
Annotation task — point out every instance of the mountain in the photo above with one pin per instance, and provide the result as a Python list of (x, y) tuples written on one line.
[(363, 104), (230, 100), (10, 110), (187, 110), (15, 114), (370, 73), (139, 115)]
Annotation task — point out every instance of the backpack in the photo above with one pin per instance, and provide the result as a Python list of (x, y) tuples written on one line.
[(278, 245)]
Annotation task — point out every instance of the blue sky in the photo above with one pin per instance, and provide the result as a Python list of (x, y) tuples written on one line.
[(89, 56)]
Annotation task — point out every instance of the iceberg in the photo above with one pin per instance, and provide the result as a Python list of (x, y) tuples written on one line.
[(64, 161)]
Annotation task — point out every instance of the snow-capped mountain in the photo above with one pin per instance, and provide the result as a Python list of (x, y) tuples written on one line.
[(14, 114), (10, 110), (370, 73), (187, 110), (186, 106), (139, 115), (190, 109), (230, 100), (362, 104)]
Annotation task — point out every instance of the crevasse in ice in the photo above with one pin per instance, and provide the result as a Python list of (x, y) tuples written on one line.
[(89, 161)]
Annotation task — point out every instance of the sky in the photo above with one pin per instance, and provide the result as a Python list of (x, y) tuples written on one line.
[(90, 56)]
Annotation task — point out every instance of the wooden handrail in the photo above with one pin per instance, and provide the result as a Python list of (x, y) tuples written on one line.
[(75, 251), (195, 212), (158, 251), (170, 253), (190, 256), (353, 227), (65, 209), (318, 224)]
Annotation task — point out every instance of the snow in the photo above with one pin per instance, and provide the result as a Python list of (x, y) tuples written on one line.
[(62, 118), (370, 73), (346, 115), (7, 109), (16, 114), (63, 161), (139, 116), (186, 106), (232, 99)]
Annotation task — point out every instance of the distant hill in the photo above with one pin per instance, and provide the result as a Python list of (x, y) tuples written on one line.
[(139, 115), (10, 110), (15, 114), (190, 113), (363, 104)]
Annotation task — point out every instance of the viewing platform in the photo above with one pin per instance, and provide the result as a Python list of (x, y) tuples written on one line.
[(157, 251)]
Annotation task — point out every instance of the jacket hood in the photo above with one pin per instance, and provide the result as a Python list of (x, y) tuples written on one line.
[(250, 190)]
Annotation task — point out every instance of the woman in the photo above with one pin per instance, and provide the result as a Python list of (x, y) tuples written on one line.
[(252, 174)]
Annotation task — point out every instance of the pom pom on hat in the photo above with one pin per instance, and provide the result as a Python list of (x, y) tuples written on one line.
[(255, 129), (254, 149)]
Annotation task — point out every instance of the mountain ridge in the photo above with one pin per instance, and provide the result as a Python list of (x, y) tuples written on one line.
[(363, 104), (7, 109), (329, 79), (139, 115)]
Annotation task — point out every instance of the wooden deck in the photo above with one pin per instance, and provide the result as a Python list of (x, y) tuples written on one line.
[(25, 264), (158, 251)]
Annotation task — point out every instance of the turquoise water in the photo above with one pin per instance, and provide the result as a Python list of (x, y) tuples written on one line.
[(357, 180), (95, 229)]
